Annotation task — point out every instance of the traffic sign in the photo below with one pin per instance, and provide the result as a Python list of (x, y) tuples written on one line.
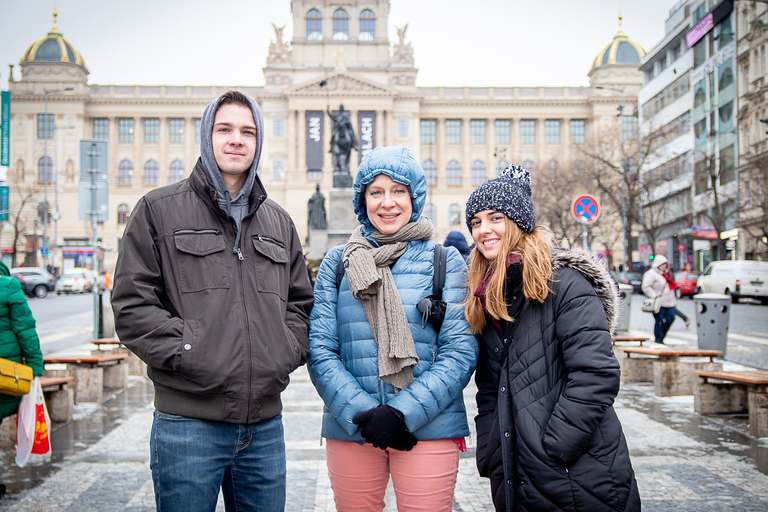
[(585, 208), (680, 247)]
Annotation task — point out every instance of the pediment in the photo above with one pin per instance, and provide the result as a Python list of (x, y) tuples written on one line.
[(341, 83)]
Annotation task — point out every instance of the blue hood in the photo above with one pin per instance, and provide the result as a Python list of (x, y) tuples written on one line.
[(400, 165), (457, 240)]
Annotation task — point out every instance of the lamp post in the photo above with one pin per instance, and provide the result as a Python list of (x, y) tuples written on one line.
[(48, 168)]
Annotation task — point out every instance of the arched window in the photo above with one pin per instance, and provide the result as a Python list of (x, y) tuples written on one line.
[(453, 173), (123, 212), (699, 97), (367, 25), (726, 78), (553, 166), (431, 212), (578, 167), (431, 172), (151, 171), (501, 166), (478, 173), (529, 166), (177, 171), (125, 173), (314, 25), (454, 214), (44, 170), (340, 25)]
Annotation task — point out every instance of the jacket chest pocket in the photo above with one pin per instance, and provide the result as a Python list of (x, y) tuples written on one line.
[(201, 259), (271, 265)]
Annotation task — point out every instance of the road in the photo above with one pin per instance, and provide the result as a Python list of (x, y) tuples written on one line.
[(63, 320)]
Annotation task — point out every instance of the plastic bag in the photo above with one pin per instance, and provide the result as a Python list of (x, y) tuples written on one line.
[(33, 442)]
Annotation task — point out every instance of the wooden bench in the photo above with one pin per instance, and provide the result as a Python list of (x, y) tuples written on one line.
[(92, 373), (719, 392), (664, 367), (59, 398), (623, 339), (112, 345)]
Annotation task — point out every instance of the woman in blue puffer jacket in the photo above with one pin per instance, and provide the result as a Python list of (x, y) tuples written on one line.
[(392, 385)]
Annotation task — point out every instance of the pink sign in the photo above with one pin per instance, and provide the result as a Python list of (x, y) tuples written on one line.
[(700, 30)]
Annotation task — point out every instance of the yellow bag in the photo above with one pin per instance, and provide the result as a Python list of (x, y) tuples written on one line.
[(15, 378)]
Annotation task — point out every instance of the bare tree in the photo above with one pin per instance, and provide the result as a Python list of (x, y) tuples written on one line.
[(607, 230), (553, 193), (19, 218), (754, 198)]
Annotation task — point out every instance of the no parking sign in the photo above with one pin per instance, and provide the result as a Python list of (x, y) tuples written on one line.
[(585, 208)]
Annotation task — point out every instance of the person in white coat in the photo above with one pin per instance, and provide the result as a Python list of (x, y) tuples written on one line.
[(656, 283)]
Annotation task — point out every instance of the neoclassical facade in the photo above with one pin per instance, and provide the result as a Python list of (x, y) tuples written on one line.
[(339, 54)]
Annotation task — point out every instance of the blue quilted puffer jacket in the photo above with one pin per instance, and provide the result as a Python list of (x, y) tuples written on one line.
[(343, 361)]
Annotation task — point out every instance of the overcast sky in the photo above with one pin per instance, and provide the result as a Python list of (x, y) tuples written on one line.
[(225, 42)]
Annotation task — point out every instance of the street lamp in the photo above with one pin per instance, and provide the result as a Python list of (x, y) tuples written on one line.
[(48, 168)]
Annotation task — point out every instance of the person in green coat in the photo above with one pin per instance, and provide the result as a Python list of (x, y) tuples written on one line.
[(18, 337)]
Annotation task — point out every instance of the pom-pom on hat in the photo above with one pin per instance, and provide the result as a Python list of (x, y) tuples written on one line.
[(509, 194)]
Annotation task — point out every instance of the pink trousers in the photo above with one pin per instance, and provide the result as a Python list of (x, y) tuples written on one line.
[(423, 478)]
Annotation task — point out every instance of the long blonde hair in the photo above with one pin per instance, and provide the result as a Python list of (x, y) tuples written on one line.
[(535, 248)]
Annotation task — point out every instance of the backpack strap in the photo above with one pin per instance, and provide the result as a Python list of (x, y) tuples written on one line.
[(339, 272), (438, 279)]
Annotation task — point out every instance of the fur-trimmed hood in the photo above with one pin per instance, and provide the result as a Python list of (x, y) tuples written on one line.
[(597, 275)]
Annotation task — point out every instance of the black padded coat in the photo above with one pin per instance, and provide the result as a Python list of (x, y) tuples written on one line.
[(548, 436)]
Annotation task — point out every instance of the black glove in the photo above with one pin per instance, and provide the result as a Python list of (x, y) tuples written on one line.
[(384, 428)]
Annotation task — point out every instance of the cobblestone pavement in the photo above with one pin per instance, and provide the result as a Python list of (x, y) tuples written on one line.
[(682, 461)]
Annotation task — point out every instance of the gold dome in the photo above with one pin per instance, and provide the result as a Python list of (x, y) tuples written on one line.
[(53, 48), (621, 51)]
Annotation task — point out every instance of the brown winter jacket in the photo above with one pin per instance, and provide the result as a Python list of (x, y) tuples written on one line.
[(220, 331)]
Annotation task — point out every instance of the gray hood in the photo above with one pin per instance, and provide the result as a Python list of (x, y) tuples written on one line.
[(597, 275)]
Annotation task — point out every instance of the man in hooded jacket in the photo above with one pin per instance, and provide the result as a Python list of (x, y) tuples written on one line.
[(211, 291)]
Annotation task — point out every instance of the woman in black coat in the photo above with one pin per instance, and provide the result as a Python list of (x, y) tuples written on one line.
[(547, 434)]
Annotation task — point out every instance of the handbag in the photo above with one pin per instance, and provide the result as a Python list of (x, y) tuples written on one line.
[(652, 304), (15, 378), (33, 442)]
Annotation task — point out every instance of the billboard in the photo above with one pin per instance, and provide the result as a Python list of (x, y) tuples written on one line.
[(315, 140)]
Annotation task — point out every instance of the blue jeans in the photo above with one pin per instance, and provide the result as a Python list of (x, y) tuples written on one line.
[(192, 458), (664, 319)]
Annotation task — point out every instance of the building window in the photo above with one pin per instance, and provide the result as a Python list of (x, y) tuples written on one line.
[(278, 128), (528, 131), (152, 130), (125, 130), (552, 131), (428, 131), (453, 173), (431, 212), (314, 25), (125, 173), (197, 130), (44, 129), (727, 165), (278, 171), (453, 131), (478, 173), (529, 165), (340, 25), (151, 172), (454, 215), (44, 170), (477, 131), (402, 128), (123, 212), (367, 25), (177, 171), (578, 131), (503, 131), (314, 175), (430, 170), (177, 130), (101, 129), (501, 166), (629, 127)]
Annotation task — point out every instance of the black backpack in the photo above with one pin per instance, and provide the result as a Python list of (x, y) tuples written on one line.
[(432, 307)]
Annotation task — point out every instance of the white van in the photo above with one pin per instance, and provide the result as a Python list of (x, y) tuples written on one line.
[(739, 279)]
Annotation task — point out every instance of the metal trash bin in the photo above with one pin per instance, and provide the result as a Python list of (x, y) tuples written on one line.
[(625, 306), (713, 313)]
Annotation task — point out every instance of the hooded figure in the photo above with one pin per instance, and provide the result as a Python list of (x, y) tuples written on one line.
[(457, 240), (389, 380)]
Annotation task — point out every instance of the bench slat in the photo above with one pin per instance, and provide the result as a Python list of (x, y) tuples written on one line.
[(54, 381), (757, 377), (94, 358), (672, 352)]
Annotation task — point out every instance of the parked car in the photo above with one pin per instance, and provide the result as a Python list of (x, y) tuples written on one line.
[(686, 283), (75, 280), (737, 278), (35, 281), (635, 279)]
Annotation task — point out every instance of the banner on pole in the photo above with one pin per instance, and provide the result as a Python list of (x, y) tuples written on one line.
[(5, 128)]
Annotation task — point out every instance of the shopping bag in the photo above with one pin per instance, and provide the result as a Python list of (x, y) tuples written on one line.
[(651, 304), (33, 442)]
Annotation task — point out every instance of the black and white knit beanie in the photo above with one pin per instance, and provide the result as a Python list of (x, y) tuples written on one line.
[(510, 194)]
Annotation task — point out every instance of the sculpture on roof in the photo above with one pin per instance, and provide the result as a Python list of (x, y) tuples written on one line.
[(279, 50), (402, 51)]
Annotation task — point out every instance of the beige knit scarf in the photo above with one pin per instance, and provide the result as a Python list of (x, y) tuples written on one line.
[(370, 280)]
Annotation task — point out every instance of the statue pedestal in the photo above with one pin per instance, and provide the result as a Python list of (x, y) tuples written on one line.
[(341, 219), (342, 180), (318, 243)]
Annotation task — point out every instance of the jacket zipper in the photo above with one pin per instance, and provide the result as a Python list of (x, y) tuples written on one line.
[(266, 238), (247, 326), (197, 232)]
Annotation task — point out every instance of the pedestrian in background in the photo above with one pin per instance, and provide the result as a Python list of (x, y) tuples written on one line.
[(457, 240), (18, 337), (547, 434), (392, 384), (657, 282), (211, 291)]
